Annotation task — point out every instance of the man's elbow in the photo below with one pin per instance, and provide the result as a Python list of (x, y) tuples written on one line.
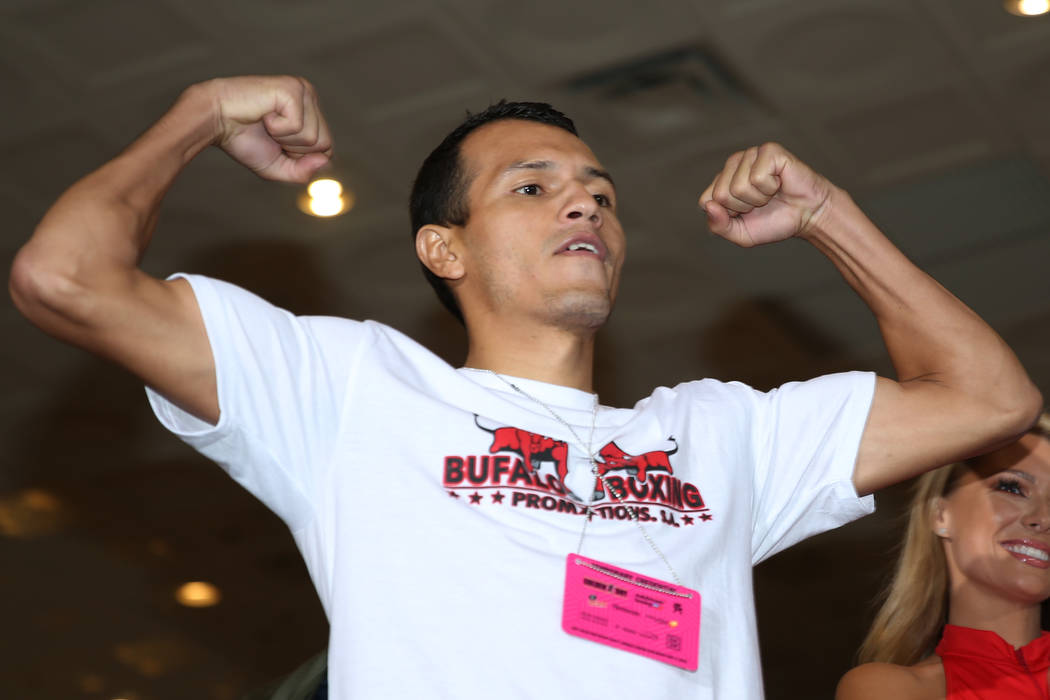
[(42, 291), (26, 283), (1031, 406), (1018, 409)]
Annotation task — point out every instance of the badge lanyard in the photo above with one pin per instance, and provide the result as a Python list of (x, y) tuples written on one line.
[(617, 607), (598, 476)]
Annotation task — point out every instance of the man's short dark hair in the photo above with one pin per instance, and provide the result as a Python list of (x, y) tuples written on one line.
[(439, 194)]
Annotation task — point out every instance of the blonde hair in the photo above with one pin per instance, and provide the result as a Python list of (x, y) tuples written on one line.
[(909, 622)]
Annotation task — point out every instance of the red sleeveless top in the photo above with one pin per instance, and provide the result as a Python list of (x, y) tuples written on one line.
[(980, 665)]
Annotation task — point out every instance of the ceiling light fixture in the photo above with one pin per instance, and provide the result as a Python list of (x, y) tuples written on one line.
[(325, 198), (1027, 8)]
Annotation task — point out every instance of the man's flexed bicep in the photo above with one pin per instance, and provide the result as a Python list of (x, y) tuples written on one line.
[(78, 278)]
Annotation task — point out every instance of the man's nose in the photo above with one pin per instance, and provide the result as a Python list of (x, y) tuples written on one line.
[(582, 205)]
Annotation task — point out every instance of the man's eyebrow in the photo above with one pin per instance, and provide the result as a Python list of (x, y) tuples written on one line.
[(589, 170), (598, 172), (530, 165)]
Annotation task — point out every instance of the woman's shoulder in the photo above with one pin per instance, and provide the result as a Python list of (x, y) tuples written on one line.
[(923, 681)]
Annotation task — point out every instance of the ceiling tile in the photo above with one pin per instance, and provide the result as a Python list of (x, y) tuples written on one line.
[(135, 37), (299, 20), (923, 132), (553, 41), (402, 66), (43, 166), (1003, 283), (1022, 93), (957, 211), (834, 54)]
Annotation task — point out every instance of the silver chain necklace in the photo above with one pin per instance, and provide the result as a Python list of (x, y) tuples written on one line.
[(631, 512)]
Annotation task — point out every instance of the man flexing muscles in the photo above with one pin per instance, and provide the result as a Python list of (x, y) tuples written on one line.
[(515, 222)]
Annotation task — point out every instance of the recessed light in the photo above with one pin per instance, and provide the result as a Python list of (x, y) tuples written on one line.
[(30, 513), (198, 594), (325, 197), (324, 188), (1027, 8)]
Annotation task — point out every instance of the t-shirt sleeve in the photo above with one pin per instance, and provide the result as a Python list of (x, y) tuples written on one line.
[(282, 385), (805, 438)]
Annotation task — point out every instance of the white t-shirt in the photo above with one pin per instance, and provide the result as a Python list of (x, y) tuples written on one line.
[(439, 555)]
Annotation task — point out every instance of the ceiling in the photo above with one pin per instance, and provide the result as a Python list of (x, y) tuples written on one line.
[(932, 113)]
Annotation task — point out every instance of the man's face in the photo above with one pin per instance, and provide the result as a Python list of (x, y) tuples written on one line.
[(543, 240)]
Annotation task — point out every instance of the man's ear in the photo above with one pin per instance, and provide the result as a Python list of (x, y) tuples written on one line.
[(435, 246)]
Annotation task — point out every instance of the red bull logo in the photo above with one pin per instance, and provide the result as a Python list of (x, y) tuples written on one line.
[(615, 458), (612, 458), (646, 477), (534, 449)]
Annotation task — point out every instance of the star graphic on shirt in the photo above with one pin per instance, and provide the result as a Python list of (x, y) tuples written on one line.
[(475, 497), (687, 520), (706, 516), (453, 494), (497, 497)]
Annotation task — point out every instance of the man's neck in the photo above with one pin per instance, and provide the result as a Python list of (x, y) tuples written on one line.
[(548, 355)]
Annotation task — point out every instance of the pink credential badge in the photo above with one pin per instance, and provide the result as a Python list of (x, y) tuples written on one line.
[(628, 611)]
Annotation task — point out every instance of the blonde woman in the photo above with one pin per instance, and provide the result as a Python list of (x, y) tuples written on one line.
[(961, 618)]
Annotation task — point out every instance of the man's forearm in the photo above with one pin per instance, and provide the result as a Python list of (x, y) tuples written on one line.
[(937, 344), (930, 334)]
